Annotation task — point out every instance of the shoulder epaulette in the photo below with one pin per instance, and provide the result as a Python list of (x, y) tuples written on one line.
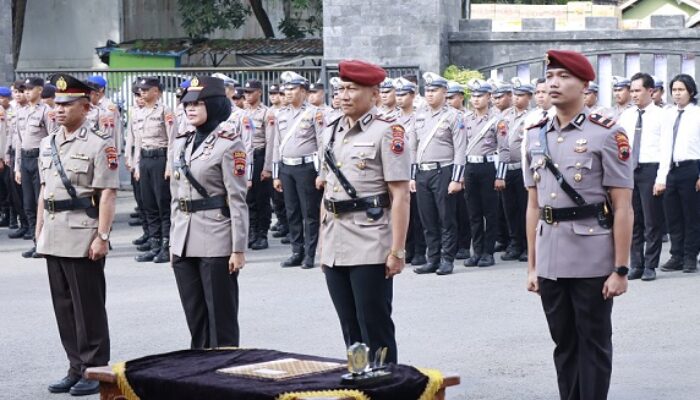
[(336, 121), (101, 134), (601, 120), (184, 134), (538, 124), (386, 118), (228, 134)]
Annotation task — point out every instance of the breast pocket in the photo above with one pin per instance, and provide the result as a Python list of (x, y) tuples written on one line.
[(362, 159), (536, 170), (577, 171), (35, 126), (306, 129), (78, 171), (45, 167)]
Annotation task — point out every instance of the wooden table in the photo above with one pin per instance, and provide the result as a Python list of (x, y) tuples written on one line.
[(110, 391)]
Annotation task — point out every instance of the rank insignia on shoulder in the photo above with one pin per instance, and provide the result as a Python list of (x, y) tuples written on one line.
[(101, 134), (601, 120), (239, 163), (227, 134), (112, 157), (623, 146), (539, 124)]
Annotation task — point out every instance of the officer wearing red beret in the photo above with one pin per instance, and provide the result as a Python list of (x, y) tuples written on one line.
[(366, 202), (577, 167)]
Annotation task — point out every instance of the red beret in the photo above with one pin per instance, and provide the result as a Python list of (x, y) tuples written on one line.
[(574, 62), (361, 72)]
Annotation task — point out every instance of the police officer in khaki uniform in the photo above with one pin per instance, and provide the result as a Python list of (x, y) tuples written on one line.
[(152, 163), (387, 95), (33, 124), (134, 122), (365, 210), (210, 215), (260, 193), (5, 96), (590, 99), (480, 174), (15, 189), (502, 98), (509, 175), (621, 95), (79, 171), (281, 228), (415, 238), (295, 167), (105, 113), (438, 150), (578, 171)]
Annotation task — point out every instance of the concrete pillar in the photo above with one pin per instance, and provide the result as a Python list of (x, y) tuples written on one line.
[(7, 71), (390, 32)]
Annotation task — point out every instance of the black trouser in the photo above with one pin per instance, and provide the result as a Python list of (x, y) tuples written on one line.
[(137, 196), (303, 204), (415, 237), (464, 232), (514, 206), (155, 195), (437, 210), (209, 296), (279, 208), (362, 298), (648, 220), (580, 325), (482, 202), (682, 207), (502, 234), (29, 172), (14, 193), (78, 294), (258, 198)]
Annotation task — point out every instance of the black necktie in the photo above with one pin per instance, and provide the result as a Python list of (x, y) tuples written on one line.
[(637, 138), (675, 132)]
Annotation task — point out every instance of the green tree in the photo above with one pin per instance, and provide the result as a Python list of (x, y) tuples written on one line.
[(202, 17), (462, 76)]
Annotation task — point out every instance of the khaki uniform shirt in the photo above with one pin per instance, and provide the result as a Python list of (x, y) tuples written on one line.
[(448, 143), (592, 158), (370, 154), (615, 111), (304, 126), (488, 144), (154, 129), (511, 132), (11, 120), (219, 165), (105, 118), (240, 123), (183, 125), (4, 131), (33, 124), (264, 123), (91, 163)]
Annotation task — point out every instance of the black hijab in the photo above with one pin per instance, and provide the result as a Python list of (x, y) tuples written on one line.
[(218, 111)]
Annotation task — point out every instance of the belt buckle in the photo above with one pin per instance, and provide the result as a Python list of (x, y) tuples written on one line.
[(548, 215), (51, 205), (183, 206), (334, 211)]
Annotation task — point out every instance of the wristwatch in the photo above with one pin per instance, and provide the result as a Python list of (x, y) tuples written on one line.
[(103, 236), (621, 270), (400, 254)]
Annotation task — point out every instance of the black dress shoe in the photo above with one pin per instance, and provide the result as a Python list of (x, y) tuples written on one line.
[(445, 268), (462, 254), (674, 264), (418, 260), (260, 244), (690, 268), (64, 385), (294, 260), (163, 256), (281, 232), (510, 255), (308, 263), (135, 222), (154, 249), (523, 257), (134, 215), (19, 233), (649, 274), (145, 246), (428, 268), (85, 387), (635, 273), (472, 261), (29, 253), (29, 235), (13, 225), (286, 240), (499, 247), (486, 261), (140, 240), (275, 227)]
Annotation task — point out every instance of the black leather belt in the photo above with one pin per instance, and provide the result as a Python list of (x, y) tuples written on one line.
[(79, 203), (551, 215), (358, 204), (685, 163), (33, 153), (209, 203), (154, 153)]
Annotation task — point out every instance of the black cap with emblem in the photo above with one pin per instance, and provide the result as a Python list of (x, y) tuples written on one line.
[(252, 85), (203, 88), (31, 83), (69, 88), (149, 82)]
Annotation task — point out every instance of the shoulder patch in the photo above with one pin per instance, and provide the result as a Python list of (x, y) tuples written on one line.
[(623, 146), (601, 120), (319, 118), (112, 157), (398, 134), (239, 162), (271, 119), (169, 118), (538, 124), (502, 128)]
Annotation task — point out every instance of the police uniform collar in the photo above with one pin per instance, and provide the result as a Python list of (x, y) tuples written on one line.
[(577, 122)]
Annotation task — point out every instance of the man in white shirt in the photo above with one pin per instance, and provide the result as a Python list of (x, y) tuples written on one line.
[(678, 174), (643, 121)]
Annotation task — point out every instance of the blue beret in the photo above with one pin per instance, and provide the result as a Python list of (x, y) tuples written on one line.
[(98, 80), (5, 91), (185, 84)]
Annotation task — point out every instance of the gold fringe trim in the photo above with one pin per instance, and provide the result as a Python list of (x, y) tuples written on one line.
[(355, 394), (119, 369), (435, 380)]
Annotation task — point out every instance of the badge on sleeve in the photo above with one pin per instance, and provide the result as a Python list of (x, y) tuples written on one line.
[(239, 164), (623, 146), (247, 124), (397, 139), (502, 128), (271, 120), (319, 118), (112, 157), (169, 118)]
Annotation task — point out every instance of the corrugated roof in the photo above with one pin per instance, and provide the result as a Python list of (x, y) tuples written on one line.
[(225, 46)]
